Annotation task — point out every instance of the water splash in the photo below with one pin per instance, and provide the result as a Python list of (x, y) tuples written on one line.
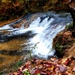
[(43, 41)]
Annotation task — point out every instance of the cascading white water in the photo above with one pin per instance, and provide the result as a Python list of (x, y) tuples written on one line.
[(42, 42), (45, 26)]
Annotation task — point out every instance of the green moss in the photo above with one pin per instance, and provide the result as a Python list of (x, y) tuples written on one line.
[(38, 74), (18, 64), (1, 73), (26, 73), (59, 46), (69, 26)]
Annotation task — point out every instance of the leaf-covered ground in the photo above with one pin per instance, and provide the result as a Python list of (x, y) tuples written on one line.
[(53, 66), (10, 9)]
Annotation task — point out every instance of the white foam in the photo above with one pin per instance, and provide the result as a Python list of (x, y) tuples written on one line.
[(5, 27), (42, 42)]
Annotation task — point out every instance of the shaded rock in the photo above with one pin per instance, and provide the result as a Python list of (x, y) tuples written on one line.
[(19, 24), (62, 41)]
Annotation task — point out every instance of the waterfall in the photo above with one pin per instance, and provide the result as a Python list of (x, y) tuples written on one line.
[(43, 26)]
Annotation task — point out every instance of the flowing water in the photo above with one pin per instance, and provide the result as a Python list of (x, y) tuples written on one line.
[(32, 34)]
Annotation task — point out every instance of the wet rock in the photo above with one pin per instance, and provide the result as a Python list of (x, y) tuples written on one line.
[(19, 24)]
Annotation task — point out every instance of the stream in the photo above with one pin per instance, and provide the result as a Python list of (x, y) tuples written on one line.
[(32, 35)]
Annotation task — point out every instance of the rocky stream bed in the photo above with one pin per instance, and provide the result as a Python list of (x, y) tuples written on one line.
[(30, 40)]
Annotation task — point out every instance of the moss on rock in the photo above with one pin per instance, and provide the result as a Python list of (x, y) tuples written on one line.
[(62, 41)]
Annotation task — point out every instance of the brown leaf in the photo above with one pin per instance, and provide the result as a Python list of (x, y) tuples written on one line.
[(72, 5)]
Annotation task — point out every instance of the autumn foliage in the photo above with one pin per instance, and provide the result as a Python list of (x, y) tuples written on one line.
[(53, 66), (15, 8)]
